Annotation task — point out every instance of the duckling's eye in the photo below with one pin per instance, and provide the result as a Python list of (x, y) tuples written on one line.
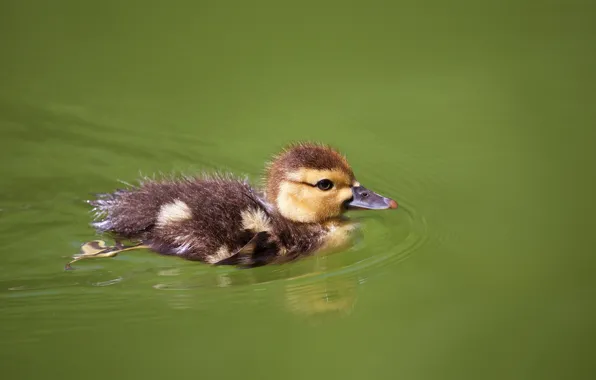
[(324, 184)]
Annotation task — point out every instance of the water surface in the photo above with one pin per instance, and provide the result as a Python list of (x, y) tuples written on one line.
[(477, 118)]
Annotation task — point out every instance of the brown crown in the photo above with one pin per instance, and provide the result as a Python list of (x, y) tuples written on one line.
[(303, 156)]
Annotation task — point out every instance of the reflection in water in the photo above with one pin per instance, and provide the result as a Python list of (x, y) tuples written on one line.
[(314, 292), (330, 297), (320, 294)]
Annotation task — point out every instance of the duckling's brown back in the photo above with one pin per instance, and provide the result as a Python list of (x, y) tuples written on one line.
[(206, 219)]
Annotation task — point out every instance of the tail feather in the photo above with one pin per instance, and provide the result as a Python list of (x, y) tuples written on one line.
[(126, 213)]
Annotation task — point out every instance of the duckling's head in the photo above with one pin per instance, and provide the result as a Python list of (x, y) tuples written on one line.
[(312, 183)]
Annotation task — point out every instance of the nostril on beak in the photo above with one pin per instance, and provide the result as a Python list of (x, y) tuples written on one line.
[(364, 195)]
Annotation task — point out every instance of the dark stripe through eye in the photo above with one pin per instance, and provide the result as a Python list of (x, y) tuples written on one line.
[(325, 184)]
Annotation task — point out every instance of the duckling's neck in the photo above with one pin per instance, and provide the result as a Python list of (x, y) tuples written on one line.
[(299, 238), (338, 234)]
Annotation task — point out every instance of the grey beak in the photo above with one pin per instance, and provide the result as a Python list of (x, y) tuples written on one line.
[(369, 200)]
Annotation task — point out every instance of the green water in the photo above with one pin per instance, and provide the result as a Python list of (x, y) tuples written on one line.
[(477, 117)]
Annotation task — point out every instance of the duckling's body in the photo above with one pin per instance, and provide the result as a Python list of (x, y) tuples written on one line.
[(209, 219), (224, 220)]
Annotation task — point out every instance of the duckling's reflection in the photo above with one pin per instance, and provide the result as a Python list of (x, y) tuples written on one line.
[(329, 297), (314, 292)]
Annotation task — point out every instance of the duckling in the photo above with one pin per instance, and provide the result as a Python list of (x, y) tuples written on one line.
[(222, 220)]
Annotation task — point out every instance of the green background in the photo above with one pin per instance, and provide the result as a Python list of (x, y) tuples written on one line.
[(477, 117)]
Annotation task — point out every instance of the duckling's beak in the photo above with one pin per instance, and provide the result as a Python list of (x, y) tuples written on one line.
[(366, 199)]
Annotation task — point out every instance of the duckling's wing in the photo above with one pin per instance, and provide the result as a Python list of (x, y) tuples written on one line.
[(260, 250)]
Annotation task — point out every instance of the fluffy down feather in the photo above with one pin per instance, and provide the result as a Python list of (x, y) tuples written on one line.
[(211, 219)]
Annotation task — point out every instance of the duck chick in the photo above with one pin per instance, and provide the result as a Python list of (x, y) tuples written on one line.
[(224, 220)]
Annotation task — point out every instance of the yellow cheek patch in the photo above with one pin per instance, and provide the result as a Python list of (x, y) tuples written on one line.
[(295, 204), (303, 203), (344, 194)]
